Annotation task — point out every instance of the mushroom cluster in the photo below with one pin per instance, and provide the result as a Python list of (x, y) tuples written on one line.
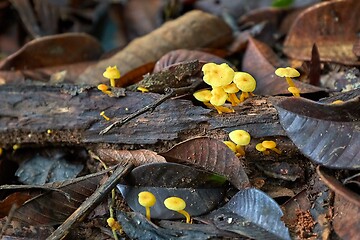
[(225, 84), (265, 146), (239, 139), (289, 73)]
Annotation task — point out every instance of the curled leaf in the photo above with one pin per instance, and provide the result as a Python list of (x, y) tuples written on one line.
[(329, 134), (253, 214)]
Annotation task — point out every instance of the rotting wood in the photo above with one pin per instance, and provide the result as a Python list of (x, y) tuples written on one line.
[(71, 113)]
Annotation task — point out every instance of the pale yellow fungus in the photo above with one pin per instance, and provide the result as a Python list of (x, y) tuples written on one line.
[(217, 75), (104, 116), (177, 204), (112, 73), (246, 83), (240, 138), (295, 91), (147, 200), (271, 145), (288, 73), (142, 89)]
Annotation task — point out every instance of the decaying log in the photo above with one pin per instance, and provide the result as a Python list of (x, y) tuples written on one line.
[(33, 114)]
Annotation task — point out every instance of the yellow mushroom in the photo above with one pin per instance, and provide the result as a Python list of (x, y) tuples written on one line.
[(231, 90), (205, 96), (142, 89), (338, 102), (288, 73), (104, 116), (295, 91), (230, 145), (112, 73), (217, 75), (271, 145), (262, 149), (104, 88), (246, 83), (147, 200), (113, 224), (241, 138), (177, 204)]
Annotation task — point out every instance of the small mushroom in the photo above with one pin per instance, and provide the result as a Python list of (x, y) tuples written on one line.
[(246, 83), (142, 89), (113, 224), (230, 145), (177, 204), (288, 73), (262, 149), (112, 73), (231, 90), (104, 116), (217, 75), (206, 95), (295, 91), (147, 200), (338, 102), (271, 145), (104, 89), (241, 138)]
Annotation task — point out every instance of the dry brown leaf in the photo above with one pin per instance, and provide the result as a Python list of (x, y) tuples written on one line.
[(259, 61), (195, 29), (137, 157), (54, 50), (332, 25)]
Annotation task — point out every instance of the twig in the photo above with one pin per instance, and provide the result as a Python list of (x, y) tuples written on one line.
[(87, 206), (170, 92)]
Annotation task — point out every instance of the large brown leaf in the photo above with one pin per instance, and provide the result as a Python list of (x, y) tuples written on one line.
[(192, 30), (54, 50), (332, 25), (212, 155), (53, 207), (260, 61)]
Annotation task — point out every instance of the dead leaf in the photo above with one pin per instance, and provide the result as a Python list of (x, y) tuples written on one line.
[(184, 55), (53, 207), (193, 30), (346, 221), (328, 134), (137, 157), (332, 25), (212, 155), (261, 62), (54, 50)]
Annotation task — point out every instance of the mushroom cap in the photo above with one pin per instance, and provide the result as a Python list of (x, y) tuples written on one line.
[(146, 199), (244, 81), (218, 96), (240, 137), (260, 147), (231, 88), (102, 87), (175, 203), (294, 90), (230, 145), (217, 75), (287, 72), (269, 144), (203, 95), (111, 73)]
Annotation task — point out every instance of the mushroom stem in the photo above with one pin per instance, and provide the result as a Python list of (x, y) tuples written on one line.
[(276, 150), (147, 213), (222, 109), (240, 150), (290, 82), (233, 99), (243, 96), (112, 82), (186, 214)]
